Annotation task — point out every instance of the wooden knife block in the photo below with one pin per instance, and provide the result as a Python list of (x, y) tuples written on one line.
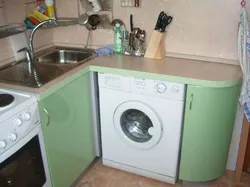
[(156, 46)]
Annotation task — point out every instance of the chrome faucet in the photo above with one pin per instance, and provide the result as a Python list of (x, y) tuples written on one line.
[(31, 49), (29, 52)]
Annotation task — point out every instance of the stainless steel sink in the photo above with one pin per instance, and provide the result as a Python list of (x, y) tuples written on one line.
[(49, 65), (66, 57), (34, 76)]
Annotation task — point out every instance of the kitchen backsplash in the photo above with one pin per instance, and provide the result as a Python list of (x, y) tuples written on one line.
[(15, 12), (199, 28), (203, 28)]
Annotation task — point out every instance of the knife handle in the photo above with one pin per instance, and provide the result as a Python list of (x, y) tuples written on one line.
[(137, 3), (131, 23), (158, 23)]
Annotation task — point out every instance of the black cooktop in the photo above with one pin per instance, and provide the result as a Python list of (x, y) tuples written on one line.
[(6, 99)]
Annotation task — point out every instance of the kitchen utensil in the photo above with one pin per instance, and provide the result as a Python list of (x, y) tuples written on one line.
[(136, 31), (130, 3), (131, 41), (88, 38), (142, 35), (165, 22), (125, 43), (84, 20), (131, 23), (90, 22), (94, 21), (125, 35), (139, 47), (137, 3), (158, 23)]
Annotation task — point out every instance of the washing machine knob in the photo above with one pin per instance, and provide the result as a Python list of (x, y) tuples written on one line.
[(175, 89), (161, 88), (3, 144)]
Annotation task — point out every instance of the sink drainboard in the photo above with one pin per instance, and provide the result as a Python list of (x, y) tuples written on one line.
[(19, 74)]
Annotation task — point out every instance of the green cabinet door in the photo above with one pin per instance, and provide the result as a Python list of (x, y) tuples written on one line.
[(67, 131), (208, 126)]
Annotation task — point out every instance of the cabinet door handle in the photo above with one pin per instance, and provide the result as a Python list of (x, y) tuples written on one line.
[(46, 111), (191, 102)]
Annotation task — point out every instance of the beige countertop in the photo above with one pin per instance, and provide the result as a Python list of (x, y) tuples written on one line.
[(172, 66), (187, 71)]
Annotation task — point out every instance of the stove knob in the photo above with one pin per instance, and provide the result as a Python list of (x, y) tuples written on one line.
[(18, 122), (26, 116), (12, 136), (3, 144)]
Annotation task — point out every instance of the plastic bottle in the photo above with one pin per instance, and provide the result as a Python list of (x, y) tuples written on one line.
[(50, 9), (118, 39), (39, 2), (41, 6)]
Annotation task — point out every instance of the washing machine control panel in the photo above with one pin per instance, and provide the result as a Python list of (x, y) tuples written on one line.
[(150, 87), (138, 84), (111, 81), (157, 88)]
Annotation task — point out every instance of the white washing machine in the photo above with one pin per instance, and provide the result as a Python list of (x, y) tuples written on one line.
[(141, 125)]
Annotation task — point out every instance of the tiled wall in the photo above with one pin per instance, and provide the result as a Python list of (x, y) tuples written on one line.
[(16, 12), (203, 28)]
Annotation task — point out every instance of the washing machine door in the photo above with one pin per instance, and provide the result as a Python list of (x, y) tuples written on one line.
[(138, 125)]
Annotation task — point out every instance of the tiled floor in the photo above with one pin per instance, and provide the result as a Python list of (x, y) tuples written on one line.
[(102, 176)]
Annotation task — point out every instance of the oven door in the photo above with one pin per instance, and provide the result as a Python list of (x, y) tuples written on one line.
[(24, 166)]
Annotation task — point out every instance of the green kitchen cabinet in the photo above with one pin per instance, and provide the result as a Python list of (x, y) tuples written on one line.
[(208, 126), (67, 130)]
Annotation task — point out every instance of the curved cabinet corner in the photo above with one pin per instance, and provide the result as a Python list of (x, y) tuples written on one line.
[(208, 126)]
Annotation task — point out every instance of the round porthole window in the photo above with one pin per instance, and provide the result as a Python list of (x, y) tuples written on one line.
[(137, 125)]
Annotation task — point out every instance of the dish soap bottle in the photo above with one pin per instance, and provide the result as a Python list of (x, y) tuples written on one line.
[(50, 9), (118, 39)]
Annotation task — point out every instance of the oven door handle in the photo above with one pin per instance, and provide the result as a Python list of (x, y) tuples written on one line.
[(46, 111)]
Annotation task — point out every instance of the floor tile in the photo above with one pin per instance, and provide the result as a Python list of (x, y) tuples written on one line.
[(123, 184), (103, 176), (97, 180), (84, 184), (246, 179), (108, 171), (221, 184), (146, 182), (129, 177), (228, 175)]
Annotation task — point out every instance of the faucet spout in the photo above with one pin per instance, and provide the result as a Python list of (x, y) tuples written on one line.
[(33, 31)]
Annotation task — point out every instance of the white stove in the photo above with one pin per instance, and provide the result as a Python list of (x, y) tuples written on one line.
[(20, 102), (21, 141), (18, 116)]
